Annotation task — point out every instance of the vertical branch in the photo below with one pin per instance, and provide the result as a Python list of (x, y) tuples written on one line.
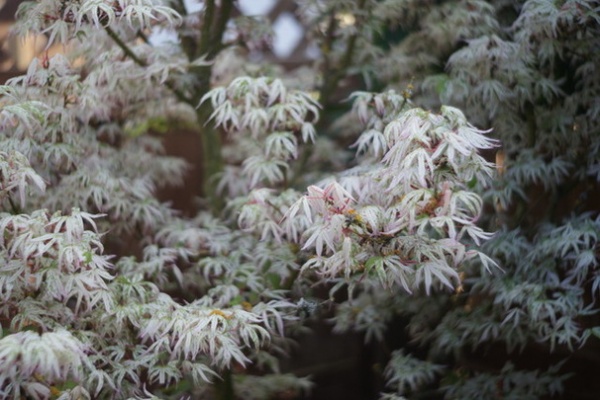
[(210, 44), (212, 161), (207, 20), (219, 28), (333, 75), (213, 26), (188, 42), (326, 48)]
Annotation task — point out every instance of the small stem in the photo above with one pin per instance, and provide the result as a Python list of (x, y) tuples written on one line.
[(15, 209), (224, 388)]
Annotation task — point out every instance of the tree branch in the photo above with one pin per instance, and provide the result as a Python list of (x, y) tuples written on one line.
[(113, 35), (123, 46), (205, 38), (331, 78), (219, 28), (327, 46), (213, 26)]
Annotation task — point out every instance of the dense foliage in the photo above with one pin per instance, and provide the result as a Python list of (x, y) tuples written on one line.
[(389, 200)]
